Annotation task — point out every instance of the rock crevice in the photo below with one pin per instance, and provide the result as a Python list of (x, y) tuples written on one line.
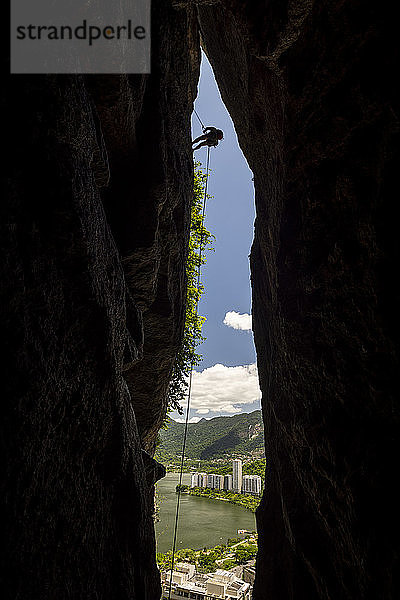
[(309, 89), (94, 241)]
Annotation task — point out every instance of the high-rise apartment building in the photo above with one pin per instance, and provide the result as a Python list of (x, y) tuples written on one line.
[(219, 482), (211, 480), (251, 484), (237, 475), (199, 480), (227, 482), (246, 484), (203, 480)]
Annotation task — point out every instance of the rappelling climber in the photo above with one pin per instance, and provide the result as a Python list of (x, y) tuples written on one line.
[(211, 136)]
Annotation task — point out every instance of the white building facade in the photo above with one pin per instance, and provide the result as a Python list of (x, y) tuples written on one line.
[(186, 583), (199, 480), (251, 484), (211, 480), (227, 482), (195, 480), (237, 475), (218, 482), (246, 484)]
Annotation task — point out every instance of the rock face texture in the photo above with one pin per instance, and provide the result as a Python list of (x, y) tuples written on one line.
[(309, 86), (94, 237)]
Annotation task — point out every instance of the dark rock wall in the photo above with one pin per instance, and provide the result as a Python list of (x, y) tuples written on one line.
[(94, 239), (310, 88), (146, 128), (94, 236)]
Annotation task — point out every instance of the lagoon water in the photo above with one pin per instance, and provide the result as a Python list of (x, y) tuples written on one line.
[(202, 522)]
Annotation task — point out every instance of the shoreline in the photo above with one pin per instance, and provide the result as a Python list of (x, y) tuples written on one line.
[(253, 501)]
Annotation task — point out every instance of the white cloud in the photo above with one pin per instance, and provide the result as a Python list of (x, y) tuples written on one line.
[(237, 321), (183, 420), (224, 389)]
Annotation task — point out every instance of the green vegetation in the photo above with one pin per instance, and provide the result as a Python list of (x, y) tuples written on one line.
[(221, 467), (246, 500), (207, 562), (255, 467), (245, 552), (235, 552), (228, 564), (221, 437), (199, 241)]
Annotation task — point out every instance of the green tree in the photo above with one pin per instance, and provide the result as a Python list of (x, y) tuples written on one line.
[(228, 564), (220, 550), (206, 561), (255, 467), (200, 240), (187, 555), (244, 553), (164, 561)]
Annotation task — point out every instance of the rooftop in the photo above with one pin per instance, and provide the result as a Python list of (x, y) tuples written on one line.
[(221, 584)]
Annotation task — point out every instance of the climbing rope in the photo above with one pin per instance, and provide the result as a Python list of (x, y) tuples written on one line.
[(200, 121), (190, 386)]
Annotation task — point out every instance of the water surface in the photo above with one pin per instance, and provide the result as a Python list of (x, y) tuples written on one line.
[(202, 522)]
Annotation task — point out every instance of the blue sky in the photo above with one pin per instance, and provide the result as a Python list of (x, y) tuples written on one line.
[(224, 383)]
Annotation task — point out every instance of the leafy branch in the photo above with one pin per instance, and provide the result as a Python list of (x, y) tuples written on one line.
[(200, 240)]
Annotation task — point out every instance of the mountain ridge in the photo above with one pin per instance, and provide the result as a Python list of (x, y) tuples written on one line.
[(213, 438)]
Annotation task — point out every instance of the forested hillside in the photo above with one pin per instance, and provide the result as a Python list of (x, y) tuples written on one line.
[(241, 434)]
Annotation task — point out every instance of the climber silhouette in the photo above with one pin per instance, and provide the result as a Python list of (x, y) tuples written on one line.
[(211, 136)]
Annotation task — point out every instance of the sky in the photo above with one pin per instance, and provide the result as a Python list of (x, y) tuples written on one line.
[(226, 382)]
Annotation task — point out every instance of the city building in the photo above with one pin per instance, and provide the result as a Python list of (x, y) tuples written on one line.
[(199, 480), (251, 484), (249, 574), (246, 484), (219, 482), (211, 480), (203, 480), (195, 480), (187, 583), (227, 482), (237, 475)]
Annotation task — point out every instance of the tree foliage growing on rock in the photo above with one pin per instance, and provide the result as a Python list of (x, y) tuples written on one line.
[(200, 240)]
